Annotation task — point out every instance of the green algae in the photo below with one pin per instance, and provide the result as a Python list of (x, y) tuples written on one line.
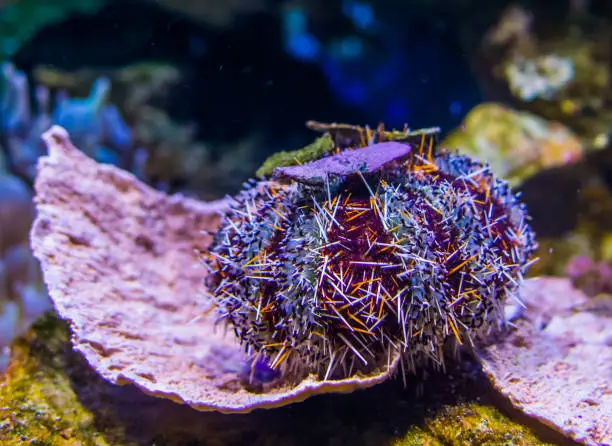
[(469, 423), (37, 402), (50, 396), (313, 151)]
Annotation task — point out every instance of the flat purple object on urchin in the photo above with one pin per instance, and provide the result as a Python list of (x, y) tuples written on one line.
[(366, 160), (407, 253)]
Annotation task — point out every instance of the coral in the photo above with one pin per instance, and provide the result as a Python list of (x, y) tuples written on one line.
[(543, 77), (561, 73), (165, 153), (50, 396), (556, 365), (95, 124), (337, 265), (23, 297), (22, 294), (517, 144), (162, 150), (133, 85)]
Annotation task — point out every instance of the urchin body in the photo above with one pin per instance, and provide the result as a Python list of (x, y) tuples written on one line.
[(341, 277)]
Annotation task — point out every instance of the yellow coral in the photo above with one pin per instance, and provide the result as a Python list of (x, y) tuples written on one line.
[(516, 144)]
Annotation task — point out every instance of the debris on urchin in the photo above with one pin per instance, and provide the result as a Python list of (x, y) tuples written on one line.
[(336, 266)]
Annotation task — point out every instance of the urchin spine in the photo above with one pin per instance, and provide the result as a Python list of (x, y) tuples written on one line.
[(336, 280)]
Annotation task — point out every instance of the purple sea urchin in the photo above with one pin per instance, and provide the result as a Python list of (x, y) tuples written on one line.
[(338, 272)]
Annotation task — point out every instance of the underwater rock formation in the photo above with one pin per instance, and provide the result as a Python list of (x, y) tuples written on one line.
[(119, 261), (517, 144), (49, 395), (557, 364), (557, 69)]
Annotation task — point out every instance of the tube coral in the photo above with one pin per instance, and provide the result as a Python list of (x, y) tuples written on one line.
[(335, 266)]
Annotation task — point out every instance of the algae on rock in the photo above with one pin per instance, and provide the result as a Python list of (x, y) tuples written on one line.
[(469, 423), (49, 396), (37, 402), (320, 147), (516, 144)]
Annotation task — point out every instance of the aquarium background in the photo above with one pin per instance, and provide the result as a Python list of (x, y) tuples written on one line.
[(193, 96)]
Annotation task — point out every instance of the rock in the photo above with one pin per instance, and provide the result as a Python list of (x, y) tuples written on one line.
[(556, 366), (118, 259), (50, 396), (516, 144)]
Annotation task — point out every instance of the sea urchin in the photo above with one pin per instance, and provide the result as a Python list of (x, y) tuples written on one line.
[(338, 265)]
